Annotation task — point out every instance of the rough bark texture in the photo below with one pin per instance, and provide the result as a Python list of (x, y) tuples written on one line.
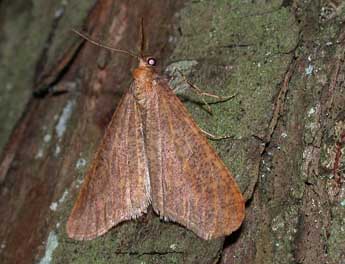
[(284, 60)]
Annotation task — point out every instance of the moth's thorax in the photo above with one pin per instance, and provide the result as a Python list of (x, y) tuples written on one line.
[(143, 83), (143, 74)]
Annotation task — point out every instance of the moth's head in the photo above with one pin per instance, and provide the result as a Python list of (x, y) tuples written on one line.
[(146, 68)]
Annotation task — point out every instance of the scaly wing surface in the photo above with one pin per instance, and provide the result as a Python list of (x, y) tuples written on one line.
[(116, 187), (189, 182)]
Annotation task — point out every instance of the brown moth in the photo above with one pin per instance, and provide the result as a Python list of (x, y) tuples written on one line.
[(153, 153)]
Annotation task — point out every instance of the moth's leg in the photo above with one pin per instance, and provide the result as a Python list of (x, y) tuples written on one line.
[(194, 88), (203, 94), (214, 137), (197, 90)]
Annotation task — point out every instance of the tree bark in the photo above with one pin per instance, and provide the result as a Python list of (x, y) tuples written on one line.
[(284, 60)]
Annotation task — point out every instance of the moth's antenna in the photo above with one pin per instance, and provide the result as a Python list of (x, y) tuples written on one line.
[(104, 46), (142, 38)]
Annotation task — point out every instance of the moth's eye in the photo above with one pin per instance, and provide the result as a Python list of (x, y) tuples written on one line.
[(151, 61)]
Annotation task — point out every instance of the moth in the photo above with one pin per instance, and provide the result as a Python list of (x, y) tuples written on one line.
[(154, 154)]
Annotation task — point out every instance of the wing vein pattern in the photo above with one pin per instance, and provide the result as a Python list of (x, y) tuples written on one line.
[(190, 184), (119, 170)]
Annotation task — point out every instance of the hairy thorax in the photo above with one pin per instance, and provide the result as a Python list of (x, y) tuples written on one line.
[(143, 84)]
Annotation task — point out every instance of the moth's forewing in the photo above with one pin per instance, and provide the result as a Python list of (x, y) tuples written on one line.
[(189, 182), (116, 186)]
